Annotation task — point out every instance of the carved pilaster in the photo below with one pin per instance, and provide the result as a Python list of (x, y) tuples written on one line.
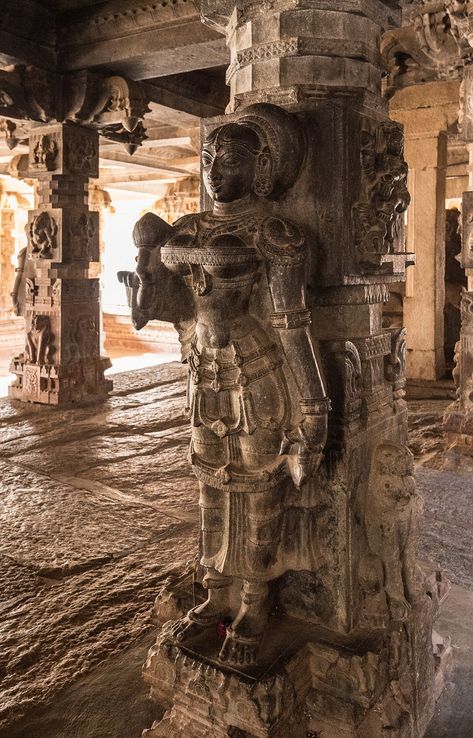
[(59, 291)]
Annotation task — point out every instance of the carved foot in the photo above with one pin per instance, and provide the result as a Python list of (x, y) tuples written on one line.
[(239, 650), (199, 618), (188, 627)]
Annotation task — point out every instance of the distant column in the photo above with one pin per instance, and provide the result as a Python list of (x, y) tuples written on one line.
[(458, 419), (426, 112), (7, 250), (61, 362)]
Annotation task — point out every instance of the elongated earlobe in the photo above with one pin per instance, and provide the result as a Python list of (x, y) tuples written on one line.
[(263, 182)]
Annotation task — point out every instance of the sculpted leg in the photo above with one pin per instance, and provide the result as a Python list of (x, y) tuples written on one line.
[(246, 631), (210, 612)]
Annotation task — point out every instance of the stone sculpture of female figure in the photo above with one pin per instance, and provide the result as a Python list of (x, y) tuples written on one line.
[(232, 281)]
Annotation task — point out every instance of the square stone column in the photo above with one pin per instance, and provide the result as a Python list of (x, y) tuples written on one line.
[(347, 651), (61, 362), (426, 112)]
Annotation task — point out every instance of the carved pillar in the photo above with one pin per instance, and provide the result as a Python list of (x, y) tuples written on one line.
[(426, 112), (305, 207), (61, 362)]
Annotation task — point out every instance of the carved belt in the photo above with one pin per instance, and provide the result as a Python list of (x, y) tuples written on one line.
[(238, 373)]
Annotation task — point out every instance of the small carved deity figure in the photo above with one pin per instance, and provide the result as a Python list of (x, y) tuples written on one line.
[(45, 153), (232, 281), (42, 232), (392, 511), (39, 344)]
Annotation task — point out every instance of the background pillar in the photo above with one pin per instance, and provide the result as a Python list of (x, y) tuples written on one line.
[(61, 362), (426, 112)]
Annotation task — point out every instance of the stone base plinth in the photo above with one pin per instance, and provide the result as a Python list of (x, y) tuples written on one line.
[(308, 682), (79, 381), (458, 426)]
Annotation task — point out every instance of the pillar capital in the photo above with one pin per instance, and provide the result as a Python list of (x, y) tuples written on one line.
[(289, 50)]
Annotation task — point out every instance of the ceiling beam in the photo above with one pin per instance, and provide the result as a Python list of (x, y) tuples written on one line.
[(142, 39)]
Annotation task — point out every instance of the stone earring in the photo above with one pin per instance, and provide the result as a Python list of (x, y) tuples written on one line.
[(262, 184)]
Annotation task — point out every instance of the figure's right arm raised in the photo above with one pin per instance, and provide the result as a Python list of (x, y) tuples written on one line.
[(153, 291)]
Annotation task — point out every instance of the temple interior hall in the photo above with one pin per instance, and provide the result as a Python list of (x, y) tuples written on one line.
[(236, 369)]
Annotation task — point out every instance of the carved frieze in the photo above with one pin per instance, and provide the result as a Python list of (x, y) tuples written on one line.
[(81, 152), (83, 236)]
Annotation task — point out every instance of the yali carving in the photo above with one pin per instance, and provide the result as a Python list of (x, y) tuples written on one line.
[(39, 341), (388, 574), (377, 216)]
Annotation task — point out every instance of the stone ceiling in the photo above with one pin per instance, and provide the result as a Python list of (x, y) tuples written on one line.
[(162, 43)]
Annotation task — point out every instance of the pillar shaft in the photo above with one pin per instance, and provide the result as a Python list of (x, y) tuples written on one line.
[(61, 362), (7, 250), (426, 112)]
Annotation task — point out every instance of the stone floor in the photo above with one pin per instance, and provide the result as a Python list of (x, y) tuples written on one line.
[(97, 507)]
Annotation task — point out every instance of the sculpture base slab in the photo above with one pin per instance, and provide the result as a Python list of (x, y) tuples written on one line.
[(79, 381), (308, 683)]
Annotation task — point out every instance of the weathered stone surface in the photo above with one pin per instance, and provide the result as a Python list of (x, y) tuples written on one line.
[(448, 522), (38, 533), (84, 453), (147, 378), (61, 631), (81, 560)]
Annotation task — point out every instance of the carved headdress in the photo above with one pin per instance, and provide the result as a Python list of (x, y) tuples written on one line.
[(274, 136), (281, 134)]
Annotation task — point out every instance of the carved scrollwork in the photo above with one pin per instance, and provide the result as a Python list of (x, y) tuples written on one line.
[(42, 233)]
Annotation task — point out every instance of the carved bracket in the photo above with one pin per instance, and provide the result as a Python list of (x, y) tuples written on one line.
[(113, 105)]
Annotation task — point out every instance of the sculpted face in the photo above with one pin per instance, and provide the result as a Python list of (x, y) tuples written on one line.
[(229, 162)]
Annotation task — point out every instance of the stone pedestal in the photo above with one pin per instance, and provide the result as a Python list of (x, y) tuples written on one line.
[(308, 682), (426, 112), (347, 649), (59, 285)]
